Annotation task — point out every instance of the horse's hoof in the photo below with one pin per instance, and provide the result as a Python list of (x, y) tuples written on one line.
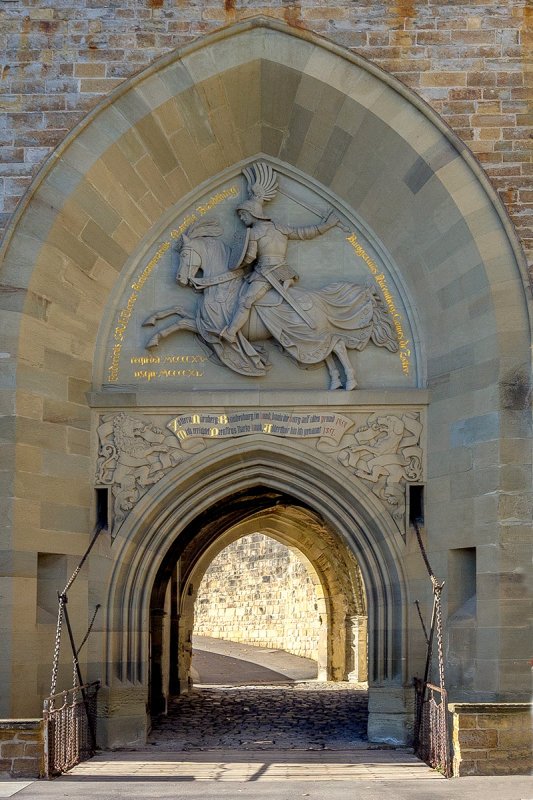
[(336, 384), (154, 341), (149, 321), (350, 385)]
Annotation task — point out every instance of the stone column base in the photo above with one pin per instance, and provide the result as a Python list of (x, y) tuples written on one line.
[(122, 717), (391, 714)]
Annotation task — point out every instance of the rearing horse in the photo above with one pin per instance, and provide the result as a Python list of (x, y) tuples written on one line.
[(344, 315)]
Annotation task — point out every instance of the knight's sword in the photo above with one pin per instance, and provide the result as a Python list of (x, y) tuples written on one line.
[(314, 209), (273, 281)]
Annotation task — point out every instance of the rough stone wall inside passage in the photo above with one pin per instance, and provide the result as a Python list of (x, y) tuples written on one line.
[(466, 58), (259, 592)]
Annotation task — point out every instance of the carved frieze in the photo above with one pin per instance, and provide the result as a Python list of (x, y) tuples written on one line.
[(133, 454), (387, 454), (384, 450)]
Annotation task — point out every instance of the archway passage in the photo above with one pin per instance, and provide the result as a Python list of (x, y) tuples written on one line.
[(324, 713), (258, 603)]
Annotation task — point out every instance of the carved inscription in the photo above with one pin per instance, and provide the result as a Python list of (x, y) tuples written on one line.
[(125, 313), (379, 277), (192, 429), (383, 450), (149, 367)]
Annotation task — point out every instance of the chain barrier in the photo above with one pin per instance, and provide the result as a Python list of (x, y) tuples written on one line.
[(62, 600), (69, 721), (70, 730), (432, 735)]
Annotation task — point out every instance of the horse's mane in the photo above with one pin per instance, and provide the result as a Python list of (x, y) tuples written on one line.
[(204, 227)]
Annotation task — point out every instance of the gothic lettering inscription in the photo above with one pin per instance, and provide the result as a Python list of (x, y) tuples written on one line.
[(192, 429), (403, 341), (126, 312)]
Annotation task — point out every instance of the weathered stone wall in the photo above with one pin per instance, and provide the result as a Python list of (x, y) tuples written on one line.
[(491, 739), (21, 748), (468, 60), (258, 591)]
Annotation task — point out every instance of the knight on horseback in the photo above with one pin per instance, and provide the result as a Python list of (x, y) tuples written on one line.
[(266, 249)]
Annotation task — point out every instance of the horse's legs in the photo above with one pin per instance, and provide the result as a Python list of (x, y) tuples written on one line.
[(185, 324), (334, 374), (342, 353), (167, 312)]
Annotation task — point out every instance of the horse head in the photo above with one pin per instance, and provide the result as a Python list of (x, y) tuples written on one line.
[(202, 247), (190, 261)]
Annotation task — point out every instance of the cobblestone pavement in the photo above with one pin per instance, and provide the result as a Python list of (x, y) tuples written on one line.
[(304, 716)]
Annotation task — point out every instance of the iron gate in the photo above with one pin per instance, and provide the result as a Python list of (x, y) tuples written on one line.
[(69, 728)]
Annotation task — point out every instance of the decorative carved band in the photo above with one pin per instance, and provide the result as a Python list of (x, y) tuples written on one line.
[(384, 450)]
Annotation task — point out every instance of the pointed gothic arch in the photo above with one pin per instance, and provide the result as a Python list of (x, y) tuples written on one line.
[(99, 207)]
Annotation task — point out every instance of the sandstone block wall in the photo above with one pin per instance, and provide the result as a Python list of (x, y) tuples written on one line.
[(491, 739), (21, 748), (258, 591), (467, 60)]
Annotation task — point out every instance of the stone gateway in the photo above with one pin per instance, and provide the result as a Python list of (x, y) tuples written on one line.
[(344, 362)]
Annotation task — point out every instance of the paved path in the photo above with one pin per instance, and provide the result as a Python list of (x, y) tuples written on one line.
[(252, 698), (219, 662), (230, 775), (310, 716), (282, 740)]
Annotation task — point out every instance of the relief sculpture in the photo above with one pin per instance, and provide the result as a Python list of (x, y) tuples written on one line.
[(248, 294), (132, 455), (386, 452)]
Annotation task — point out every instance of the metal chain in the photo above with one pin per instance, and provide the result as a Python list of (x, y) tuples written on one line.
[(55, 662), (431, 726), (62, 599), (76, 572), (89, 629), (438, 613)]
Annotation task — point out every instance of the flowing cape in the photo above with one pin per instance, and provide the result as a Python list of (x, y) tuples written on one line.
[(340, 312)]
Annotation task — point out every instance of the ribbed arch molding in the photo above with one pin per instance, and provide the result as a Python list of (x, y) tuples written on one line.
[(168, 509)]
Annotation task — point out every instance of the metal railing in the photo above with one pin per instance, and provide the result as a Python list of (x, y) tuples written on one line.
[(69, 728), (431, 734)]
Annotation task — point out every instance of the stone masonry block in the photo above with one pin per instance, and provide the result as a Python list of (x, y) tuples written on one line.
[(478, 739), (514, 739), (12, 750)]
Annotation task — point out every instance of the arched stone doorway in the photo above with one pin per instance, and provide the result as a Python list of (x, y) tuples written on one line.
[(338, 530), (341, 597), (89, 257)]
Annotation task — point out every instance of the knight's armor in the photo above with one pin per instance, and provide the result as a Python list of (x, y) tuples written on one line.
[(267, 247)]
